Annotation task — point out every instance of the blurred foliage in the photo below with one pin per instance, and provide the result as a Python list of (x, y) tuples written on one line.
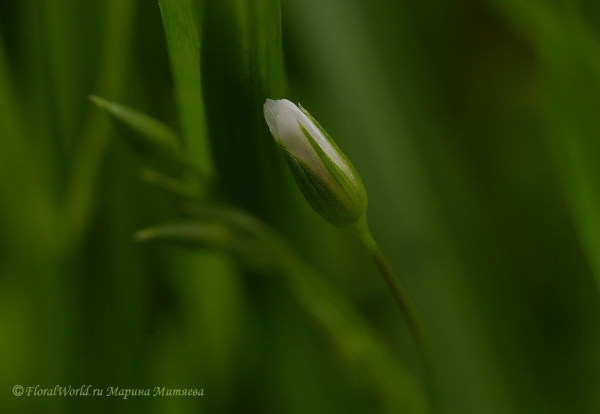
[(475, 126)]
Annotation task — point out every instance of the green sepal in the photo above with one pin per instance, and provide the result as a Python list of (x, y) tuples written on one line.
[(331, 205), (352, 193)]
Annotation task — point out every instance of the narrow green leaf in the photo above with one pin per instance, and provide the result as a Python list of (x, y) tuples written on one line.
[(219, 230), (188, 189), (26, 197), (71, 57), (235, 85), (239, 234), (184, 52), (116, 44), (196, 234), (572, 108), (149, 138)]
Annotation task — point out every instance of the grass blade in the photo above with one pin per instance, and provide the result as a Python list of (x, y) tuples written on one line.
[(95, 135), (148, 137), (235, 86), (184, 52), (25, 193), (570, 52)]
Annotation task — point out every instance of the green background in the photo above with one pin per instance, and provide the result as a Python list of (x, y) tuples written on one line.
[(475, 126)]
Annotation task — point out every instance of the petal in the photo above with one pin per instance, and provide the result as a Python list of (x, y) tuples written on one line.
[(270, 111)]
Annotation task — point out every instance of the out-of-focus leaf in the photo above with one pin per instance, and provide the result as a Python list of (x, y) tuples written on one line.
[(148, 137), (118, 34), (572, 108), (187, 189), (26, 198), (251, 242), (235, 85), (217, 235), (184, 52), (200, 235), (570, 53)]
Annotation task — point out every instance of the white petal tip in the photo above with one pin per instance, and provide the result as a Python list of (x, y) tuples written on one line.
[(270, 110)]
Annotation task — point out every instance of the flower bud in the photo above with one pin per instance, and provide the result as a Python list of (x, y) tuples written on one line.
[(325, 176)]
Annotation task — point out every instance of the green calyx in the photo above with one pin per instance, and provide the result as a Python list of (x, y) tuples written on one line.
[(340, 199), (325, 176)]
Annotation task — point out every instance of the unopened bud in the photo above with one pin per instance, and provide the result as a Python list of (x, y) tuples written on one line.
[(325, 176)]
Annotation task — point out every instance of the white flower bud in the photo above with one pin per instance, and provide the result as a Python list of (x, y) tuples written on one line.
[(325, 176)]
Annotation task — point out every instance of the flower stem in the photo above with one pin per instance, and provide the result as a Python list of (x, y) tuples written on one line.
[(407, 308)]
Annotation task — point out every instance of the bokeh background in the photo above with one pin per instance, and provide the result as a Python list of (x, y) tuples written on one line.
[(475, 126)]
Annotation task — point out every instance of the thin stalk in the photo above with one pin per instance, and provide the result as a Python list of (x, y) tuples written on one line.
[(401, 296)]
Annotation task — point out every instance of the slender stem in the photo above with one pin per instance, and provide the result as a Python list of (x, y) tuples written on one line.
[(407, 308)]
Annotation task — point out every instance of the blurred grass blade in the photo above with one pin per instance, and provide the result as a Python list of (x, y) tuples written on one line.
[(570, 52), (235, 85), (195, 234), (572, 107), (188, 189), (71, 59), (184, 52), (360, 347), (24, 188), (118, 30), (149, 138)]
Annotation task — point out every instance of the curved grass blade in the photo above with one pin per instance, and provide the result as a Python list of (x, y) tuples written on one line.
[(255, 245), (148, 137)]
